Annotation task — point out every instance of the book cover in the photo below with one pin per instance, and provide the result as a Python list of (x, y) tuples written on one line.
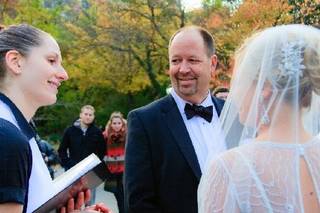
[(87, 174)]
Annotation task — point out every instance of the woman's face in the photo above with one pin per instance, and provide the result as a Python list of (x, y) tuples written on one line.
[(42, 73), (116, 124)]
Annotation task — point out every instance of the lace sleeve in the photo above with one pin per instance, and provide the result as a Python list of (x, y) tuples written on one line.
[(215, 192)]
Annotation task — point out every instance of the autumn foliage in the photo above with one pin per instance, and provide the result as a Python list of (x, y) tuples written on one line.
[(116, 51)]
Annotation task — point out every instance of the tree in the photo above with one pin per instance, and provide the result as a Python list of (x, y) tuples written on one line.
[(305, 11), (7, 8), (231, 30), (128, 40), (34, 13)]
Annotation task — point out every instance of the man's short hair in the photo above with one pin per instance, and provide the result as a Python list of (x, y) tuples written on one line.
[(205, 34), (87, 107), (219, 89)]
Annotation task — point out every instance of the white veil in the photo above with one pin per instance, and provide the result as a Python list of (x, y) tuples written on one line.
[(272, 112), (276, 84)]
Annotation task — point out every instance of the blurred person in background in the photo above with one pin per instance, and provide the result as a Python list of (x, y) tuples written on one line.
[(80, 140), (221, 92), (115, 137), (49, 155)]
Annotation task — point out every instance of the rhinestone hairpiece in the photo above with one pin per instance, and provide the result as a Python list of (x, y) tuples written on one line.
[(291, 59)]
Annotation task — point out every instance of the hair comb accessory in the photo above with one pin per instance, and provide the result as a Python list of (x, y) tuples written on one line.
[(291, 59)]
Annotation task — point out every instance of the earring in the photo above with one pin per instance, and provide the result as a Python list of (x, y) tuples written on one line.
[(265, 120)]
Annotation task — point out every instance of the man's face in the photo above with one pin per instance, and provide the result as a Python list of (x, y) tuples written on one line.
[(190, 67), (222, 95), (86, 116)]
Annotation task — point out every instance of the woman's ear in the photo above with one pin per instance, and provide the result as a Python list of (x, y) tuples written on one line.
[(266, 92), (13, 61)]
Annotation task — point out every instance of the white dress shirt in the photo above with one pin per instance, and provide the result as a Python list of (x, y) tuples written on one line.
[(206, 137)]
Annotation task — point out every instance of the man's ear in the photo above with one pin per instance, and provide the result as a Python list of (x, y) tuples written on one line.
[(13, 61), (214, 63)]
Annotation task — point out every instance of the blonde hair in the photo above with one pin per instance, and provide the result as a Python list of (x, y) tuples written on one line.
[(113, 115), (250, 58), (87, 107)]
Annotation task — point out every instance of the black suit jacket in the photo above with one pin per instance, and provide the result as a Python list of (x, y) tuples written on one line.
[(162, 172)]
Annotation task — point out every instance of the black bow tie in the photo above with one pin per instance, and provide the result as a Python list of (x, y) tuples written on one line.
[(204, 112)]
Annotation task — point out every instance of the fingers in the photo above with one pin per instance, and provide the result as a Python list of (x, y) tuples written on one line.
[(63, 210), (77, 204), (102, 208), (70, 205), (87, 195), (80, 200)]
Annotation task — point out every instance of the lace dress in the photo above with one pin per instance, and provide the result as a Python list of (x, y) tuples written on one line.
[(259, 177)]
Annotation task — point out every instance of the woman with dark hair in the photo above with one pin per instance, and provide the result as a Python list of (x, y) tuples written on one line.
[(30, 75)]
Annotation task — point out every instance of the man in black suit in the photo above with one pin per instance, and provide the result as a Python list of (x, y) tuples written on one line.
[(170, 139)]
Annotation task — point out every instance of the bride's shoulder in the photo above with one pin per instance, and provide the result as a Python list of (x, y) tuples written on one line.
[(227, 158), (245, 146), (232, 157)]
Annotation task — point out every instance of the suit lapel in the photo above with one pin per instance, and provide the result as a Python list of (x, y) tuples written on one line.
[(231, 141), (174, 121), (218, 104)]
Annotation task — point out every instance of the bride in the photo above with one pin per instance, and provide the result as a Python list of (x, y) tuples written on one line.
[(277, 167)]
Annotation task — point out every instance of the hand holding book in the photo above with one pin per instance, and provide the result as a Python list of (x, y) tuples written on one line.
[(74, 208), (71, 188), (74, 205)]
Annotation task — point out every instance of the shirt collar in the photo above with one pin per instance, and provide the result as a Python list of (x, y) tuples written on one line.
[(181, 102), (21, 120)]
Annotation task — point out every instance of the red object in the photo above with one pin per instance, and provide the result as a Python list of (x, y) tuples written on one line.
[(115, 151)]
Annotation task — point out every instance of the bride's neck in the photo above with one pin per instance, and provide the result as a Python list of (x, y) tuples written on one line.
[(284, 128)]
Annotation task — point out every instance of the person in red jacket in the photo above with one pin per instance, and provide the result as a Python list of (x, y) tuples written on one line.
[(115, 137)]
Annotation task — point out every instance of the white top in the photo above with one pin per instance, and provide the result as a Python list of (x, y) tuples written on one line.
[(259, 177), (40, 182), (205, 136)]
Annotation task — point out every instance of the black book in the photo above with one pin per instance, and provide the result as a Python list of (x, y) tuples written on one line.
[(87, 174)]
